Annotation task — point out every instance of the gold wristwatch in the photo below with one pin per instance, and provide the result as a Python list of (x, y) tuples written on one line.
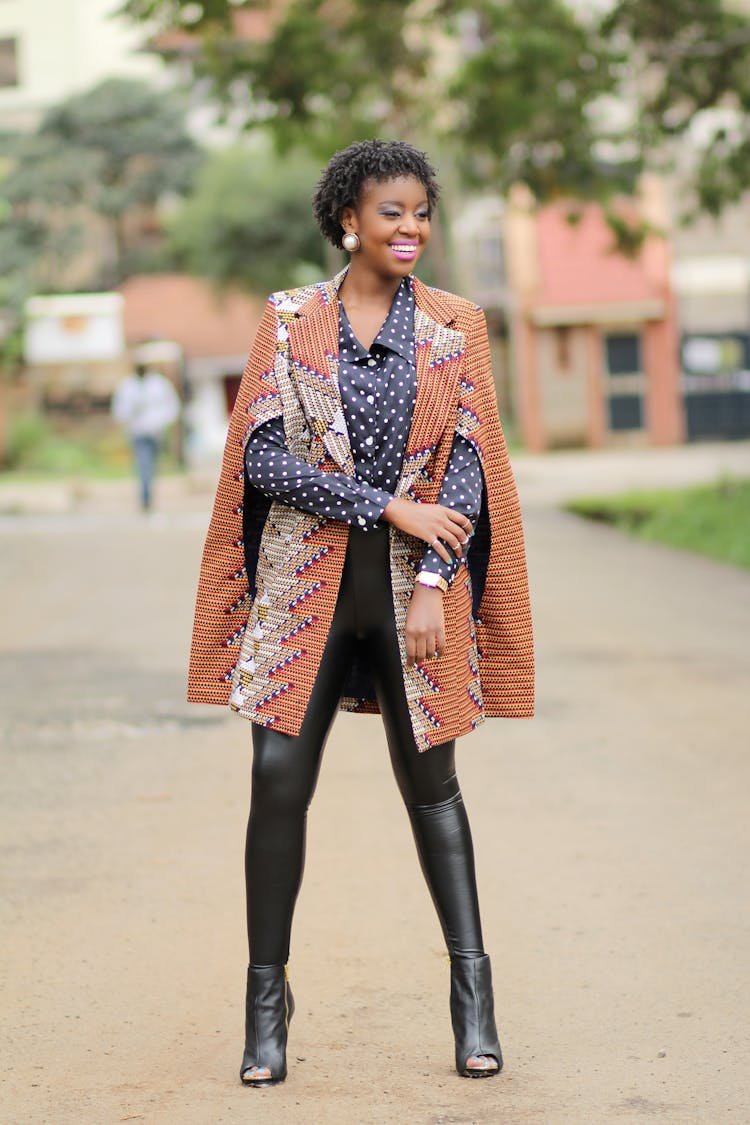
[(435, 581)]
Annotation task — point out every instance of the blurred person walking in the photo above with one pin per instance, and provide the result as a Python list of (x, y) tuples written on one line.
[(146, 404), (365, 552)]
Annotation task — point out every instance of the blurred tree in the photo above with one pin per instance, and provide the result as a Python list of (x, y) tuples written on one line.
[(84, 186), (689, 65), (247, 221), (561, 96), (525, 92), (328, 72)]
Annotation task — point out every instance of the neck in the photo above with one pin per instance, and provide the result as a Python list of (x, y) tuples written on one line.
[(362, 286)]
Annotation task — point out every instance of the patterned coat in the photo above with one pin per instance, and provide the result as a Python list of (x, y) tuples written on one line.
[(270, 573)]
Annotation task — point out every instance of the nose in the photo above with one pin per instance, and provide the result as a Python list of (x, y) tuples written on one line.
[(409, 224)]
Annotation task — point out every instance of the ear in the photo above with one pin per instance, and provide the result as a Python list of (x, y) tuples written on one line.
[(349, 218)]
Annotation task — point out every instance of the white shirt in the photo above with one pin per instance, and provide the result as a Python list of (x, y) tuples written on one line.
[(145, 406)]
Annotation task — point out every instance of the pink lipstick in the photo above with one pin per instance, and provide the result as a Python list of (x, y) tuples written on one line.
[(404, 250)]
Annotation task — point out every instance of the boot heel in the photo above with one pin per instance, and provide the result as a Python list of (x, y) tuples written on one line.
[(269, 1006), (473, 1014)]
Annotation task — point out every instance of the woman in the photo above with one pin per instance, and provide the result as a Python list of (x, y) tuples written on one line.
[(364, 452)]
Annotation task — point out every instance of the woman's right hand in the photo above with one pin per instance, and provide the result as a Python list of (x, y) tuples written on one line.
[(434, 523)]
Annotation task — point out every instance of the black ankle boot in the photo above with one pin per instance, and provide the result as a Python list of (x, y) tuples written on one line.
[(268, 1010), (473, 1014)]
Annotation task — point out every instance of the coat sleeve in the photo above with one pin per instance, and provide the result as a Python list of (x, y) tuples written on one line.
[(503, 618), (278, 474), (222, 600), (461, 490)]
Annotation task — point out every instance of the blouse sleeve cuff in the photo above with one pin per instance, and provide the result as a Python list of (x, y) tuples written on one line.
[(432, 562), (373, 503)]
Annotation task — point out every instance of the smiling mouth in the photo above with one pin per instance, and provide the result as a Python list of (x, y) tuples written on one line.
[(404, 249)]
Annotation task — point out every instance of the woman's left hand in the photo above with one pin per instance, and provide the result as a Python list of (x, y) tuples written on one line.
[(425, 625)]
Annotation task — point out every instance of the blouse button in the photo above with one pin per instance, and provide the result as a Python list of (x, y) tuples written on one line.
[(371, 399), (371, 362)]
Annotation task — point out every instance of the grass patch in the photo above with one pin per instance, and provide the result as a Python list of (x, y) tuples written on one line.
[(39, 449), (712, 519)]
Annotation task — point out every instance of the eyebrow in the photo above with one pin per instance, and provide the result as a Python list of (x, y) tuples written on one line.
[(399, 202)]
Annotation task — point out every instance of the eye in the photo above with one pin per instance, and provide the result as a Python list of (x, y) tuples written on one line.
[(390, 214)]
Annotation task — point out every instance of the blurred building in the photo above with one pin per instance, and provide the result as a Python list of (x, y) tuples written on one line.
[(78, 346), (594, 332), (50, 49), (595, 348), (711, 278), (480, 262), (214, 333), (74, 350)]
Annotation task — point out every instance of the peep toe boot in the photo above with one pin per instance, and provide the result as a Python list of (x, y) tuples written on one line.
[(473, 1014), (268, 1010)]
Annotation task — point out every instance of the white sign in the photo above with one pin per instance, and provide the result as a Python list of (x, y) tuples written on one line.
[(75, 328)]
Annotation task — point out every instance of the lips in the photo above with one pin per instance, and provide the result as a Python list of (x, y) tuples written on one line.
[(404, 251)]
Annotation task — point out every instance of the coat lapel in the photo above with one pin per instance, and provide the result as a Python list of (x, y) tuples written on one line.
[(314, 359), (439, 350)]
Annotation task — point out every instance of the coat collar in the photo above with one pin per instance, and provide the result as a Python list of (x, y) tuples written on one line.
[(434, 304), (313, 353)]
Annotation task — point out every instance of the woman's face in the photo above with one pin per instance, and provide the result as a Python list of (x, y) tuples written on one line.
[(392, 221)]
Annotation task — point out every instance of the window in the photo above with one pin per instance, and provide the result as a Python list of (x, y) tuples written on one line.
[(8, 62), (625, 381), (623, 353), (625, 412)]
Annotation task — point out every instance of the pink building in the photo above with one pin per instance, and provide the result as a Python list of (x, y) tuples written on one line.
[(594, 333)]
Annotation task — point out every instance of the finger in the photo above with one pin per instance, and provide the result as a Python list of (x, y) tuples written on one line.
[(410, 650), (441, 550), (453, 541), (420, 650), (464, 537), (463, 522), (440, 642)]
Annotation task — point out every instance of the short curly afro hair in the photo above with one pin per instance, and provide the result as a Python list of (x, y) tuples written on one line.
[(347, 170)]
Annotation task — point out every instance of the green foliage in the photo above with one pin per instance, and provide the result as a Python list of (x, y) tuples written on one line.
[(11, 352), (39, 445), (572, 99), (35, 447), (25, 434), (175, 13), (337, 73), (690, 63), (248, 221), (525, 92), (709, 519), (118, 146), (329, 74), (103, 155)]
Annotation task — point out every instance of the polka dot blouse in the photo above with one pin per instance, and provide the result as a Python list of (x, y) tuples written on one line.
[(378, 390)]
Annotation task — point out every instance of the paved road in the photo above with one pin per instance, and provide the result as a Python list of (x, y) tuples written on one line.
[(612, 839)]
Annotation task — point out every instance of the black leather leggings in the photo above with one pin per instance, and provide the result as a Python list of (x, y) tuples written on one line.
[(286, 767)]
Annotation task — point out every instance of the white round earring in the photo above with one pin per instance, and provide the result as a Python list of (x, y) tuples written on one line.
[(351, 242)]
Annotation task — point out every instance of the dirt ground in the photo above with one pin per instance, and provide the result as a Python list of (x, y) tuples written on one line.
[(611, 833)]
